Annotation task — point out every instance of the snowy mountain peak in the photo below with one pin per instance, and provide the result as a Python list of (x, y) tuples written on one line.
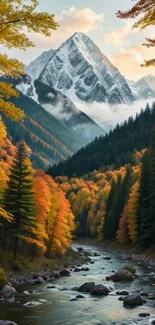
[(36, 67), (80, 70)]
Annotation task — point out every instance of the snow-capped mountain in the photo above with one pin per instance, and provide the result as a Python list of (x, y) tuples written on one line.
[(81, 72), (143, 88), (62, 108), (36, 67)]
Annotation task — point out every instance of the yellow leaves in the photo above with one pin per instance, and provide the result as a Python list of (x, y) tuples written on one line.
[(3, 132), (5, 215), (17, 19)]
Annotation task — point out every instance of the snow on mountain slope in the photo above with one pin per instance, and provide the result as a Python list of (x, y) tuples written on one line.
[(79, 70), (143, 88), (35, 68), (62, 108)]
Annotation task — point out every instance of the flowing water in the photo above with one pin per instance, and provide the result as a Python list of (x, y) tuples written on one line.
[(53, 306)]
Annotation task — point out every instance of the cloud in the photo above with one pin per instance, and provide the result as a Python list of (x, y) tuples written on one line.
[(108, 116), (119, 36), (129, 61), (71, 20)]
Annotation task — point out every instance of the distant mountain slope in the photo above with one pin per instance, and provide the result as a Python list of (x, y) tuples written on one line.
[(62, 109), (114, 149), (143, 88), (35, 68), (79, 70)]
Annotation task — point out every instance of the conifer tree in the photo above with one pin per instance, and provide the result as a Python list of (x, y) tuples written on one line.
[(19, 199)]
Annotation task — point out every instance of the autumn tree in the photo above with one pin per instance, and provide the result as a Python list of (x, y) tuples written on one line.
[(17, 19), (145, 10), (19, 201), (132, 213), (60, 224)]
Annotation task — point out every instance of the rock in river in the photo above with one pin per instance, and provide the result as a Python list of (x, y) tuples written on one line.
[(64, 272), (99, 290), (7, 292), (86, 287), (133, 300), (122, 275)]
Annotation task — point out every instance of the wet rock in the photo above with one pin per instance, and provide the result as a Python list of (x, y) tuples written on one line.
[(133, 300), (92, 262), (7, 292), (99, 290), (39, 280), (74, 289), (96, 254), (122, 293), (143, 315), (144, 294), (51, 287), (86, 269), (7, 322), (73, 299), (122, 275), (121, 299), (64, 272), (77, 269), (56, 274), (86, 287), (80, 297), (153, 322), (108, 278), (107, 258)]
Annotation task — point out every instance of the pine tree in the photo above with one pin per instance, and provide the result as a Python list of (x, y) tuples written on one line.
[(19, 199)]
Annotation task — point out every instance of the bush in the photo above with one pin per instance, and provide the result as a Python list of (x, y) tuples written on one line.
[(16, 266), (130, 268), (3, 279)]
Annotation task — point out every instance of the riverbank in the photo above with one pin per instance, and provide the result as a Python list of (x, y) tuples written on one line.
[(23, 270), (135, 253), (67, 299)]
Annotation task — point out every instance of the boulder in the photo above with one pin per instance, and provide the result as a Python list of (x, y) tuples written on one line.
[(39, 280), (56, 274), (86, 269), (107, 258), (7, 322), (79, 297), (133, 300), (7, 292), (64, 272), (143, 315), (99, 290), (86, 287), (122, 275), (122, 293)]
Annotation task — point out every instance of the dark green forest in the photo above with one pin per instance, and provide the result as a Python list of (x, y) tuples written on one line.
[(113, 150)]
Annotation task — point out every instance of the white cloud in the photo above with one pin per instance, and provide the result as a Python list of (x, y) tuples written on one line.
[(118, 36), (108, 116), (70, 21), (129, 61)]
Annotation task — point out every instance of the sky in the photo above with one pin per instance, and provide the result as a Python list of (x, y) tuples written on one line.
[(97, 18)]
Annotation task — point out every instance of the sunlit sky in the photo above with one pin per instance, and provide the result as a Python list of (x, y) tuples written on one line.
[(97, 18)]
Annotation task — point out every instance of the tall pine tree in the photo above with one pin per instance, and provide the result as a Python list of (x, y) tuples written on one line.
[(19, 199)]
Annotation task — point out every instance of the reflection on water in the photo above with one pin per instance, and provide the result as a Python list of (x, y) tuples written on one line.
[(55, 307)]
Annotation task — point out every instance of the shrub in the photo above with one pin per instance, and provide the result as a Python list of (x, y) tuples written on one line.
[(3, 279), (16, 266), (130, 268)]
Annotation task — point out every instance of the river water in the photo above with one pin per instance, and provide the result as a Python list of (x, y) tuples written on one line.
[(54, 306)]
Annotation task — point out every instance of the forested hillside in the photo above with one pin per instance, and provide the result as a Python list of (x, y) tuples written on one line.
[(116, 204), (35, 216), (113, 150), (48, 139)]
